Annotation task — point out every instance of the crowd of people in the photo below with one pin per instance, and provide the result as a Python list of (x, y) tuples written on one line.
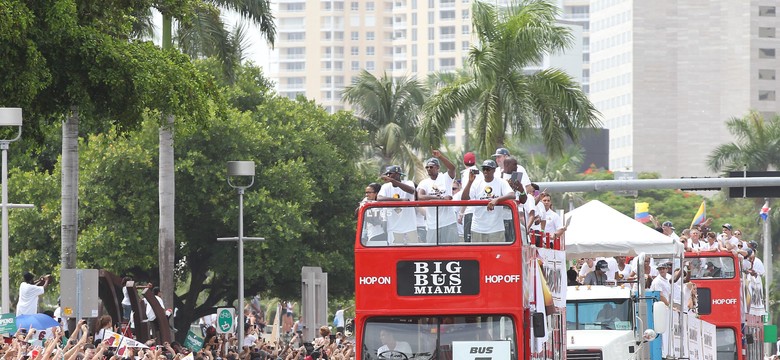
[(497, 179), (660, 274)]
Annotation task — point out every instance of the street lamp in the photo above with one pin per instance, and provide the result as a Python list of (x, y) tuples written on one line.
[(240, 172), (9, 117)]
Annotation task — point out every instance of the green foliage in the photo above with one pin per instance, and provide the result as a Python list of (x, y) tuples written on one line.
[(756, 145)]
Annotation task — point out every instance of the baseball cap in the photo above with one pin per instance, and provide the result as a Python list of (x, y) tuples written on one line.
[(433, 161), (501, 151), (392, 169), (668, 223), (469, 159), (489, 163), (662, 265), (727, 226), (753, 245), (602, 265)]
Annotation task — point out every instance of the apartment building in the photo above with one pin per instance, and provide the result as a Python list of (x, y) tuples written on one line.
[(666, 75), (322, 45)]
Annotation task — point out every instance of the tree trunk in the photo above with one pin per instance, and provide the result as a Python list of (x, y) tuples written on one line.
[(167, 190), (70, 189)]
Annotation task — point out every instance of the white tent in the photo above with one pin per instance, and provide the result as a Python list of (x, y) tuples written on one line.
[(595, 229)]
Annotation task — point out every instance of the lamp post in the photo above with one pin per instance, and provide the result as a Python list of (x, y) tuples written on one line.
[(241, 172), (9, 117)]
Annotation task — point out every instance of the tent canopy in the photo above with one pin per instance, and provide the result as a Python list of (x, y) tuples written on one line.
[(595, 229)]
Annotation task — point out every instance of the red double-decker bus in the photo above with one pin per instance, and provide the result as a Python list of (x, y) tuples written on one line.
[(436, 295), (732, 300)]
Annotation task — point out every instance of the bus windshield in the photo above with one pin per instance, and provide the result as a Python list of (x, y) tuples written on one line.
[(605, 314), (438, 337), (716, 267), (437, 225)]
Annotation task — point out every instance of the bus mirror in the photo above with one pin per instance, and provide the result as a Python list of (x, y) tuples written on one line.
[(537, 322), (660, 317)]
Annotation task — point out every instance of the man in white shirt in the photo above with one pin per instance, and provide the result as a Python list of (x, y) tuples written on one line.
[(552, 222), (501, 155), (392, 347), (488, 224), (466, 213), (401, 222), (441, 222), (668, 230), (29, 293), (661, 283)]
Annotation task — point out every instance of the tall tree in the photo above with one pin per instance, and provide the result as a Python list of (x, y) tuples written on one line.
[(756, 145), (201, 34), (508, 40), (388, 109)]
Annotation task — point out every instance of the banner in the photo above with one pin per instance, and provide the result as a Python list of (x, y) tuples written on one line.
[(754, 295), (554, 270), (8, 323), (193, 342), (709, 348), (113, 339), (694, 338)]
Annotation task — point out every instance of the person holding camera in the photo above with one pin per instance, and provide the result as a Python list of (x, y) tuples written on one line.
[(29, 292)]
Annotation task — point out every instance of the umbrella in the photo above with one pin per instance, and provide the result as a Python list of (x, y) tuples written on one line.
[(35, 321)]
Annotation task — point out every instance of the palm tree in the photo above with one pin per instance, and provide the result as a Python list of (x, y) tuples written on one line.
[(205, 35), (388, 109), (756, 146), (505, 97)]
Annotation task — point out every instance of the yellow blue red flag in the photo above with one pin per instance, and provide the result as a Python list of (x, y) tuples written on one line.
[(642, 212), (701, 215)]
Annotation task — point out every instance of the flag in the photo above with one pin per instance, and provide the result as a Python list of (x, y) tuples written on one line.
[(765, 211), (642, 212), (539, 306), (701, 215), (113, 339)]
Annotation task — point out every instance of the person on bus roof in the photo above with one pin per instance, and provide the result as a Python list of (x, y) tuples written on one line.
[(487, 224), (401, 222), (441, 223)]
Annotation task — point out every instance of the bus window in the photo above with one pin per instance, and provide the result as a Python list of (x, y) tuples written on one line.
[(613, 314), (718, 267), (727, 346), (416, 337), (439, 225)]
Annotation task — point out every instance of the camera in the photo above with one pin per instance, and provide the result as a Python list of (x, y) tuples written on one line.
[(475, 171)]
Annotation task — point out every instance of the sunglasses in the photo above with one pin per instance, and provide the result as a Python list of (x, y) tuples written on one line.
[(487, 169), (429, 167)]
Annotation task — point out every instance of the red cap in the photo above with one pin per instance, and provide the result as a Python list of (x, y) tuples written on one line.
[(469, 159)]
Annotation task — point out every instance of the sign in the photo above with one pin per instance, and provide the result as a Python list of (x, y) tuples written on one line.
[(709, 345), (79, 292), (625, 175), (755, 191), (481, 350), (8, 323), (193, 342), (226, 320), (440, 277), (554, 269)]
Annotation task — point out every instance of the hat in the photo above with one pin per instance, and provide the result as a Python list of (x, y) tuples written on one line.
[(469, 159), (393, 169), (489, 163), (753, 245), (668, 223), (662, 265), (433, 161), (501, 151), (727, 226), (602, 265)]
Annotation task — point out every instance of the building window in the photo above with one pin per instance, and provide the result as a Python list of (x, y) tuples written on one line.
[(414, 49), (431, 49), (338, 5), (370, 65), (355, 6), (370, 35), (414, 19), (465, 29), (766, 53), (355, 51), (766, 95), (430, 17), (464, 45), (447, 46), (431, 34), (465, 14), (766, 32), (447, 15), (370, 6), (370, 50), (447, 32), (355, 65), (447, 63), (354, 35), (414, 34), (766, 74), (766, 11)]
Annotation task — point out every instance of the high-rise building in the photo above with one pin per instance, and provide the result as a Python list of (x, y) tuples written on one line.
[(666, 75), (323, 45)]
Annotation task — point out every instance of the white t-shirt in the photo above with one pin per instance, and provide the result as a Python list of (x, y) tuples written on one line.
[(484, 221), (399, 220), (758, 266), (126, 298), (553, 221), (663, 286), (28, 299), (442, 186), (150, 315), (585, 268)]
